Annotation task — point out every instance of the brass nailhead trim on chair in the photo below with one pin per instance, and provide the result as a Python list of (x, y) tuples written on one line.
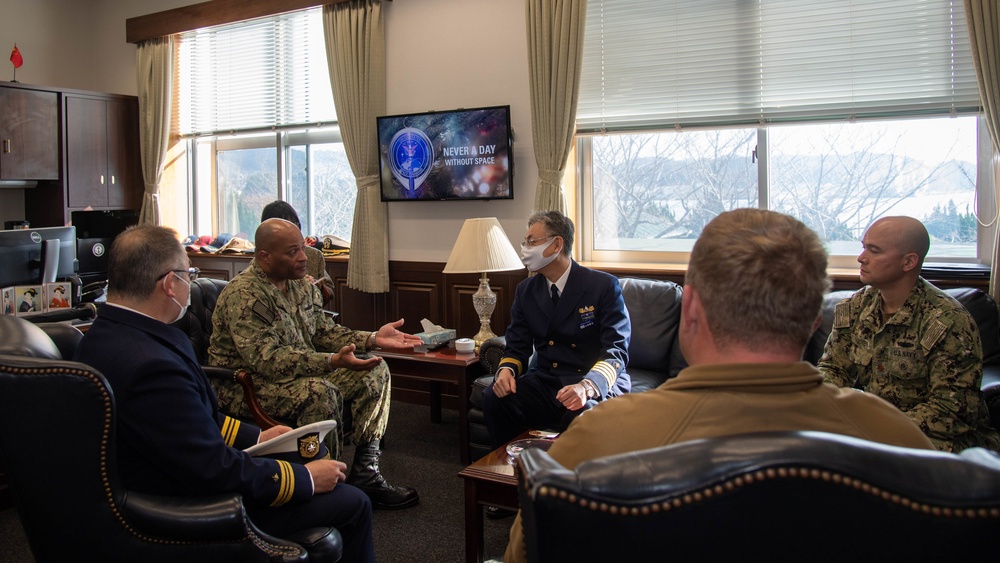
[(731, 485), (267, 547)]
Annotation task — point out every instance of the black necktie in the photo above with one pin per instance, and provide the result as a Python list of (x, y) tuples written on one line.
[(555, 295)]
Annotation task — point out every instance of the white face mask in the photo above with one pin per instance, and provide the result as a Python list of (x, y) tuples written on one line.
[(533, 258), (184, 308)]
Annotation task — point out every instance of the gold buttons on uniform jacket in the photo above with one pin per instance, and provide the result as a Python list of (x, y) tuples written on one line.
[(552, 342), (555, 365), (572, 345)]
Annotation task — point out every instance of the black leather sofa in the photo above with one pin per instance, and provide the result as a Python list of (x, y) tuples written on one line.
[(654, 355)]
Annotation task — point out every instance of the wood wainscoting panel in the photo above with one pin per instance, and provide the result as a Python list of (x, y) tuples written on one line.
[(358, 310), (415, 301)]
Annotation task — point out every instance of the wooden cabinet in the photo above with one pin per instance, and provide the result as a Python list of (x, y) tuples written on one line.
[(219, 266), (102, 153), (99, 166), (29, 134)]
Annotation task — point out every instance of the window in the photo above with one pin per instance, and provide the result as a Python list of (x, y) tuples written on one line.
[(255, 103), (837, 115)]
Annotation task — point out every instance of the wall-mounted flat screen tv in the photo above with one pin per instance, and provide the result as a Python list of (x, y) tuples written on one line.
[(462, 154)]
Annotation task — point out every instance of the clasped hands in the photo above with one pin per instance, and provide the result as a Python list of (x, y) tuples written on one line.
[(573, 397)]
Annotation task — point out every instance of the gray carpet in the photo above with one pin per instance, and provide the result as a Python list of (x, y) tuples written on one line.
[(418, 453)]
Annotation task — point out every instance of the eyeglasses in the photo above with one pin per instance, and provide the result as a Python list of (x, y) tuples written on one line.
[(534, 241), (191, 272)]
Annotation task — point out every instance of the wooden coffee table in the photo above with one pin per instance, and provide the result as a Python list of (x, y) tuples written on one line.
[(444, 365), (492, 480)]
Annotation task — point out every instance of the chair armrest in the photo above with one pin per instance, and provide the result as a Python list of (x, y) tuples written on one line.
[(245, 380), (217, 518), (491, 352), (263, 420), (211, 518)]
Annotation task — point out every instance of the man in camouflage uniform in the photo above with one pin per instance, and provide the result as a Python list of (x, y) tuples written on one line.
[(908, 342), (269, 320)]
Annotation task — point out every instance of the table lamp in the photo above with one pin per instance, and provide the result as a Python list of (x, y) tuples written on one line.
[(483, 247)]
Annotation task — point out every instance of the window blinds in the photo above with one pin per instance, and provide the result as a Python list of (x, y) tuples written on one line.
[(656, 64), (267, 73)]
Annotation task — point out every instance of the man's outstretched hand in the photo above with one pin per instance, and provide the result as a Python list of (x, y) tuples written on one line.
[(389, 337), (346, 359)]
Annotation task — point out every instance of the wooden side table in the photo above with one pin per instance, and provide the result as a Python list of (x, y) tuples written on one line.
[(491, 480), (437, 366)]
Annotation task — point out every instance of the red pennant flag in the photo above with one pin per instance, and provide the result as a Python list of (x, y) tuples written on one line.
[(15, 57)]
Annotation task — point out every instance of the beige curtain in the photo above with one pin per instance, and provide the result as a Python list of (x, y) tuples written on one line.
[(555, 51), (154, 78), (355, 49), (983, 19)]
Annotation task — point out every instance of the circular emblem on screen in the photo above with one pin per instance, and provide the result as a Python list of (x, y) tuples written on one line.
[(35, 237), (98, 250), (410, 158)]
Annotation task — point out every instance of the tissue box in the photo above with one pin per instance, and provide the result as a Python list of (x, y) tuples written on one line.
[(437, 338)]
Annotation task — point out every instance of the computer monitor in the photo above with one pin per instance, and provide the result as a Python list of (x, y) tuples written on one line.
[(95, 231), (21, 255)]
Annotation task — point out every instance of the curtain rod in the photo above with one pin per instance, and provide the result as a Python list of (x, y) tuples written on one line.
[(207, 14)]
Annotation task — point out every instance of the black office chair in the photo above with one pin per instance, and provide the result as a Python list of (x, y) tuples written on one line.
[(57, 445), (781, 496)]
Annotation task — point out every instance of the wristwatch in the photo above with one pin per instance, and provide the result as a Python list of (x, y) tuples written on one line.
[(589, 387)]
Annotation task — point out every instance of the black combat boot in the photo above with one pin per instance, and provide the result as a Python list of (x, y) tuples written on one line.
[(366, 476)]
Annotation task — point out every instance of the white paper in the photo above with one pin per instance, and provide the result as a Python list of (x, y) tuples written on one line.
[(428, 326)]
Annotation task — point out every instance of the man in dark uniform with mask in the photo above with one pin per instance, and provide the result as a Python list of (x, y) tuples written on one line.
[(574, 320), (171, 438)]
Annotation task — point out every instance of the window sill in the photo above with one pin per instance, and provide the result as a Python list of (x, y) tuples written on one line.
[(943, 275)]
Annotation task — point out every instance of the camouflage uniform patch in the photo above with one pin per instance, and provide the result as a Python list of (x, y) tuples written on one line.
[(926, 359), (285, 341)]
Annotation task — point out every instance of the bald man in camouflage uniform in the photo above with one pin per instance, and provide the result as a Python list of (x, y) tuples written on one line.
[(908, 342), (269, 321)]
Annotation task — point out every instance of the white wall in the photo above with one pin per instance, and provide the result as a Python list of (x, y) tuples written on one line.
[(443, 54), (76, 44), (55, 39), (440, 54)]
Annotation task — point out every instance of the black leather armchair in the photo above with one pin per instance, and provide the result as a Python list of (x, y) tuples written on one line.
[(53, 341), (57, 445), (784, 496), (197, 324)]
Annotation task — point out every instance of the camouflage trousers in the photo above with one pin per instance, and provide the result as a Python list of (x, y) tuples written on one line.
[(305, 400)]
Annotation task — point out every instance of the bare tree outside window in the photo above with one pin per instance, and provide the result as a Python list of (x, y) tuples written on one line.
[(657, 191), (247, 181), (335, 191)]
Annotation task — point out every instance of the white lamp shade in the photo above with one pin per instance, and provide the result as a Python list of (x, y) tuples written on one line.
[(482, 246)]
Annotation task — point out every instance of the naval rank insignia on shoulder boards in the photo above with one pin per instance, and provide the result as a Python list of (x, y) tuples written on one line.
[(842, 315)]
